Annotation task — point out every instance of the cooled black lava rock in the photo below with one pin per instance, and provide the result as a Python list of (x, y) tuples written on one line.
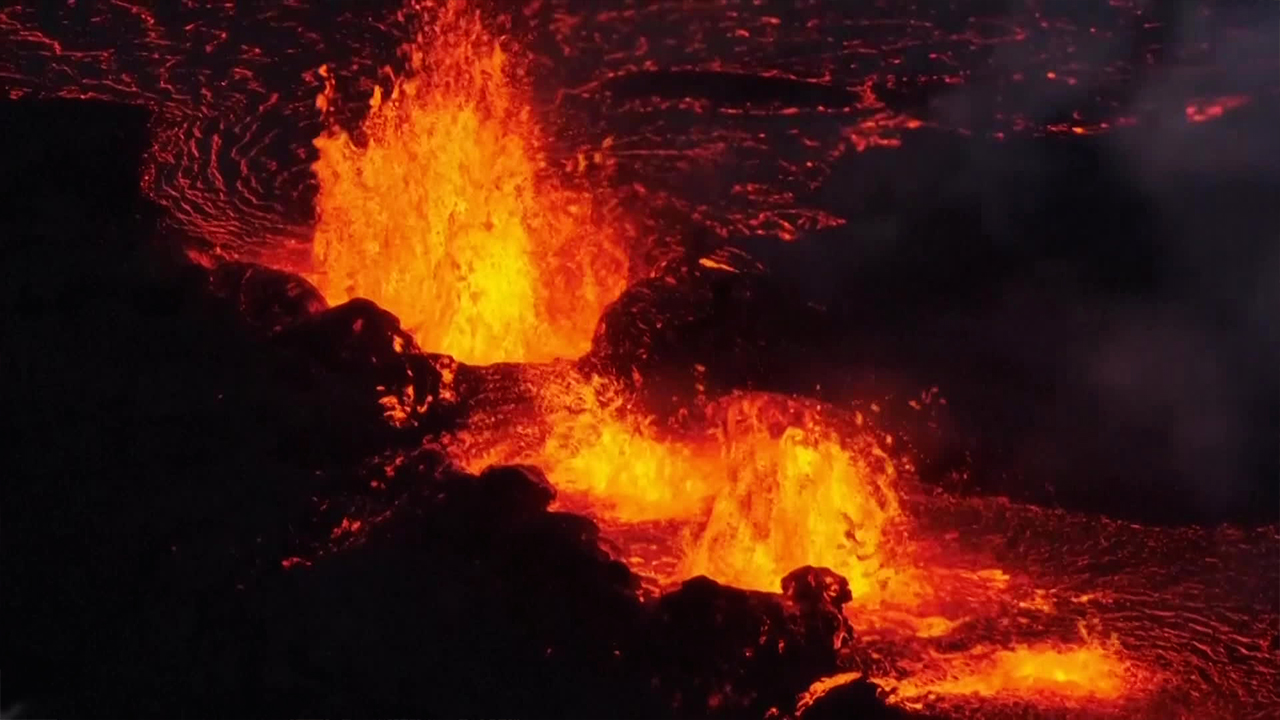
[(524, 490), (362, 346), (468, 599), (721, 651), (720, 312), (814, 599), (356, 335), (854, 700), (268, 299)]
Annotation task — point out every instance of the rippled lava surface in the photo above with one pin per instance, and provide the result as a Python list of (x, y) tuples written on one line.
[(736, 119)]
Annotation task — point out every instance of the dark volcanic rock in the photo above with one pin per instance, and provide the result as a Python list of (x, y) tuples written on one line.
[(469, 599), (356, 335), (524, 489), (68, 162), (362, 346), (854, 700), (814, 598), (268, 299), (721, 312), (721, 651)]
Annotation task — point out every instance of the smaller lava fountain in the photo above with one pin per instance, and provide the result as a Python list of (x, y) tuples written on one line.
[(758, 483)]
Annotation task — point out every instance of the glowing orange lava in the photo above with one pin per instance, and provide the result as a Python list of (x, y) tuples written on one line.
[(1055, 674), (760, 485), (1091, 670), (1199, 111), (447, 212), (794, 495), (748, 487)]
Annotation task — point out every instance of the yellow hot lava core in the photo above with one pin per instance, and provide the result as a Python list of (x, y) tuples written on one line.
[(447, 213)]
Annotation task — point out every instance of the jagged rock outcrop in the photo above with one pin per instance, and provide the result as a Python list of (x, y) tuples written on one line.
[(268, 299)]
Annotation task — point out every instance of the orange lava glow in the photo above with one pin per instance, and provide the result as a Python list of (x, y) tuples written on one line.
[(1086, 671), (446, 211), (794, 495), (1054, 674), (745, 488), (453, 206), (758, 486)]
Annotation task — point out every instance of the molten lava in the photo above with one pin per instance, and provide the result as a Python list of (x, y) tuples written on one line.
[(1051, 670), (745, 488), (446, 206), (446, 212), (763, 484), (1090, 674)]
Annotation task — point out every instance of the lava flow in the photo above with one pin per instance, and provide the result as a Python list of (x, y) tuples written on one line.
[(754, 487), (448, 213), (454, 205)]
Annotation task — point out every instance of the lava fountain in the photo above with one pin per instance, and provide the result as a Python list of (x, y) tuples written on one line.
[(743, 488), (453, 206), (443, 207)]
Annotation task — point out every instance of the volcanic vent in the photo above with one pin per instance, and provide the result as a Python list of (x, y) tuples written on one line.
[(617, 373)]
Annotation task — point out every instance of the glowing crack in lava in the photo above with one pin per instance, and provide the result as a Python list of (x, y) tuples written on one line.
[(447, 212)]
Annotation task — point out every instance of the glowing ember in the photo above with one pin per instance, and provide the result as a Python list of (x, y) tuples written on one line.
[(448, 216)]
